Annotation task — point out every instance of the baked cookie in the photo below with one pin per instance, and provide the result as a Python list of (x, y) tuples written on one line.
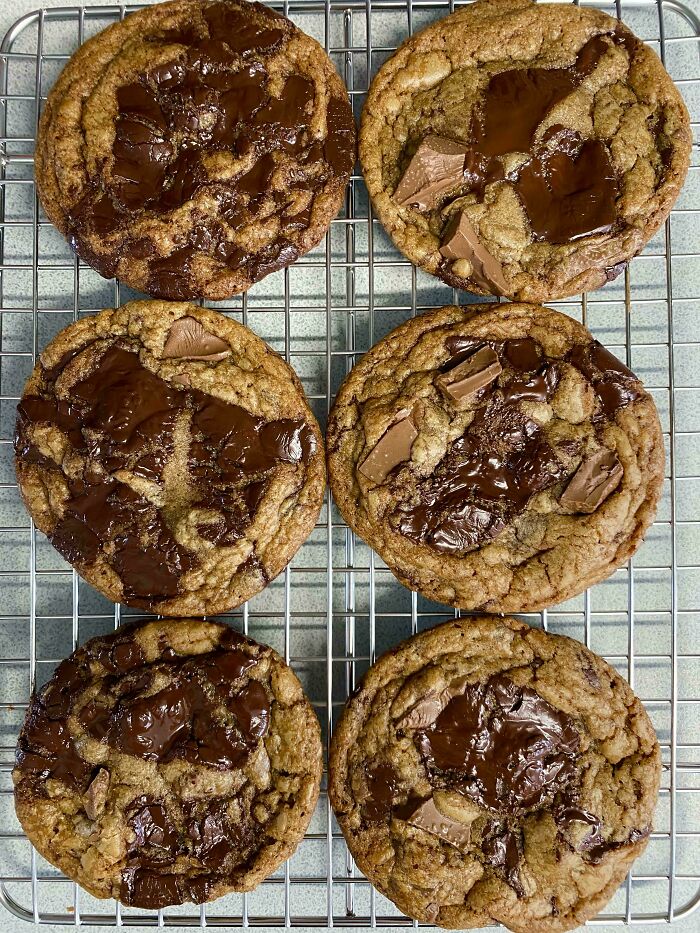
[(487, 771), (195, 147), (496, 457), (167, 762), (169, 455), (521, 149)]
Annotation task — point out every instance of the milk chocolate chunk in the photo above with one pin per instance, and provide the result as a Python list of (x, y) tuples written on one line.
[(436, 168), (96, 795), (425, 815), (188, 340), (478, 370), (393, 447), (597, 477), (460, 241)]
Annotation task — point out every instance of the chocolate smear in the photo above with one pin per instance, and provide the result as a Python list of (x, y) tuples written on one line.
[(503, 745), (382, 787), (569, 191), (614, 384)]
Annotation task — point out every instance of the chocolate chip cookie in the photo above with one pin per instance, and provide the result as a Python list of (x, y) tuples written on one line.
[(195, 147), (167, 762), (525, 150), (169, 455), (496, 457), (486, 771)]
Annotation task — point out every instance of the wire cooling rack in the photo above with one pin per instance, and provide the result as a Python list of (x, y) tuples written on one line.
[(337, 606)]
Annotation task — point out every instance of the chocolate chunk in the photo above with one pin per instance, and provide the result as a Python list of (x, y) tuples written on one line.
[(505, 746), (96, 795), (150, 890), (426, 816), (339, 145), (612, 272), (424, 712), (524, 354), (594, 480), (464, 381), (569, 817), (382, 786), (436, 168), (568, 188), (460, 241), (188, 340), (538, 387), (393, 447), (151, 825), (151, 726)]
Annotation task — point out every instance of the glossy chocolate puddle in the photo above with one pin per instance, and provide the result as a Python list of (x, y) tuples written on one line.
[(204, 716), (508, 750), (213, 97), (122, 417), (489, 474)]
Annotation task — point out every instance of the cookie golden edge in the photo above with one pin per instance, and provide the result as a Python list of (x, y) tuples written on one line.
[(34, 820), (310, 497), (393, 218), (436, 582), (68, 88), (392, 663)]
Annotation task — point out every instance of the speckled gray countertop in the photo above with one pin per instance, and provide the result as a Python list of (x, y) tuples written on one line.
[(360, 609)]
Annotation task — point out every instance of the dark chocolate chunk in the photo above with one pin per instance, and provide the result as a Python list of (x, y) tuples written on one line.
[(504, 746), (382, 786)]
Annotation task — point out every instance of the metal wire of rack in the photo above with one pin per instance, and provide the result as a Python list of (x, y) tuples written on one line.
[(337, 606)]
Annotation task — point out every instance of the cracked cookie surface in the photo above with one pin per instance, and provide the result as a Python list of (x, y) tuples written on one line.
[(171, 761), (495, 456), (169, 455), (195, 147), (549, 136), (486, 771)]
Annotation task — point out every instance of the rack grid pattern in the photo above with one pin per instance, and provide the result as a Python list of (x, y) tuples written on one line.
[(337, 606)]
